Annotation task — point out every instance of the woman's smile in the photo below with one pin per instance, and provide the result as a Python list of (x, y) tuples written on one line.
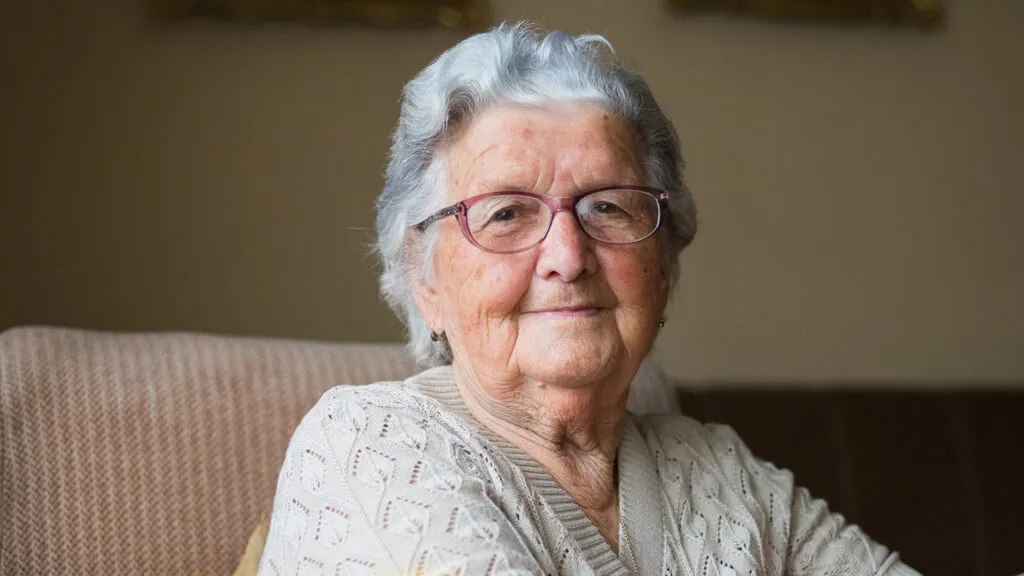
[(568, 312)]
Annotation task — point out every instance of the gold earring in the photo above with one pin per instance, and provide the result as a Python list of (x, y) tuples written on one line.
[(435, 337)]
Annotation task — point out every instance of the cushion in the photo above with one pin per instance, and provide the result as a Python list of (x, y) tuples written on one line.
[(152, 453), (159, 452)]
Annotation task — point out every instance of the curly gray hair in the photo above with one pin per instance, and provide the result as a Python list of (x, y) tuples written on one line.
[(510, 64)]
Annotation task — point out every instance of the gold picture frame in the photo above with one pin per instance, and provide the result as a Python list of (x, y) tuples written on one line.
[(456, 14), (924, 13)]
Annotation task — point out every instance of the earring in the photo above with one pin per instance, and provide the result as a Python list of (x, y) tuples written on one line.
[(661, 322), (435, 337)]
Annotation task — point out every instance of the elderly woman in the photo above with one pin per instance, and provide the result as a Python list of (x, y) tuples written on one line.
[(529, 230)]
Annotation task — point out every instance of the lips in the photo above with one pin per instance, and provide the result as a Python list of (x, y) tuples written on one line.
[(572, 303), (568, 310)]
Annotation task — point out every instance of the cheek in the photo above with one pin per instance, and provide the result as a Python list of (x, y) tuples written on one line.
[(484, 287), (637, 280)]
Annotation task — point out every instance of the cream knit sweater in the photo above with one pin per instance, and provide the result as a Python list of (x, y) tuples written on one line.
[(399, 478)]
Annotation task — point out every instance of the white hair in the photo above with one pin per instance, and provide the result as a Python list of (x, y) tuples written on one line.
[(510, 64)]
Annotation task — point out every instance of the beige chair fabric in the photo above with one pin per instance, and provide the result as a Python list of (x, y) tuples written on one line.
[(152, 453), (158, 453)]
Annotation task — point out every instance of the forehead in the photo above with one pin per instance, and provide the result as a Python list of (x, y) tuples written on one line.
[(578, 141)]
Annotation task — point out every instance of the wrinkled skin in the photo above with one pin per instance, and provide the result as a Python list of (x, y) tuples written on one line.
[(546, 341)]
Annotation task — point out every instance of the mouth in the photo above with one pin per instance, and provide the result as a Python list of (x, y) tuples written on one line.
[(569, 311)]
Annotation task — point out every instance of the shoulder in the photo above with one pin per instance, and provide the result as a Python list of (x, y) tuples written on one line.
[(386, 395), (407, 397), (394, 430), (678, 432), (352, 408), (382, 475), (713, 457), (367, 433), (391, 416)]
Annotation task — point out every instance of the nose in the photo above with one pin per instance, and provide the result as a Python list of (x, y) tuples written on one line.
[(566, 252)]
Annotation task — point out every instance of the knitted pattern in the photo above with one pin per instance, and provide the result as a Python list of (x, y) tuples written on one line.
[(399, 478)]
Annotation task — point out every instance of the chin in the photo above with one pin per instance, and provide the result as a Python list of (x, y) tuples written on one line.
[(568, 360)]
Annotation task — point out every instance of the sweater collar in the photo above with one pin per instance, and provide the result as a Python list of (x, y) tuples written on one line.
[(639, 492)]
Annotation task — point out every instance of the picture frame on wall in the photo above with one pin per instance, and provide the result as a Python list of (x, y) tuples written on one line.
[(925, 13), (468, 15)]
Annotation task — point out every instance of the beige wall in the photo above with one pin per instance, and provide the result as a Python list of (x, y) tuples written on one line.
[(862, 190)]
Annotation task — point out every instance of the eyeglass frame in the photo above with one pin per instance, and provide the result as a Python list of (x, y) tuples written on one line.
[(554, 203)]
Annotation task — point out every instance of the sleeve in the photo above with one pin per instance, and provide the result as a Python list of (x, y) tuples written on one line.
[(822, 542), (816, 541), (372, 489)]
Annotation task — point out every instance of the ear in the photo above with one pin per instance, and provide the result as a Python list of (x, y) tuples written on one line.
[(428, 300)]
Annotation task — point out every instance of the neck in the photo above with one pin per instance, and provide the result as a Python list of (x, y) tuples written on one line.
[(572, 433)]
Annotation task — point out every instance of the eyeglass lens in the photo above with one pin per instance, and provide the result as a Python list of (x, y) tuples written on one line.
[(510, 222)]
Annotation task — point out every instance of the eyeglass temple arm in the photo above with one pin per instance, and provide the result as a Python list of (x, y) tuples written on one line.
[(439, 215)]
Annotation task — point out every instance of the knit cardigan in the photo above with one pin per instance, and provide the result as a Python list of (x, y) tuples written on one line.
[(398, 478)]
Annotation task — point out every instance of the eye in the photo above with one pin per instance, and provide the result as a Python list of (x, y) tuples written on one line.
[(504, 215), (606, 208)]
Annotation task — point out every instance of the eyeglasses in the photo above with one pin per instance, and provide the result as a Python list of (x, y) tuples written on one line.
[(507, 222)]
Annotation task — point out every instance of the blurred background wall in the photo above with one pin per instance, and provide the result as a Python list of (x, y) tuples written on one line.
[(861, 188)]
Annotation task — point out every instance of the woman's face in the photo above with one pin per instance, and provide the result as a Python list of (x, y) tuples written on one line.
[(569, 311)]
